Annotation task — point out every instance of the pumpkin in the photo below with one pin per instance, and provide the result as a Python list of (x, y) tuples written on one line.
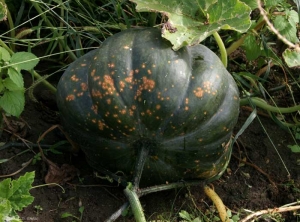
[(135, 90)]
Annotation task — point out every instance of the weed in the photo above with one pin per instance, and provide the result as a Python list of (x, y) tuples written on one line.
[(69, 215)]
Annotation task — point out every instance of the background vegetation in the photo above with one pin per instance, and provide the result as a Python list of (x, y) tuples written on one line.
[(261, 44)]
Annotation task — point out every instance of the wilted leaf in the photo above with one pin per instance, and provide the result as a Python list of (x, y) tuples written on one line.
[(190, 22)]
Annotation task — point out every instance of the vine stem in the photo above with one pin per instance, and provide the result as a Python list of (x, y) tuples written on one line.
[(132, 189), (135, 203), (262, 104), (222, 48)]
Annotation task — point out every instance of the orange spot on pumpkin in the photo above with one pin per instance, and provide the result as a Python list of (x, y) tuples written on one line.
[(149, 112), (111, 65), (83, 64), (97, 93), (158, 106), (108, 84), (198, 92), (70, 97), (100, 125), (95, 109), (74, 78), (128, 79), (148, 84), (93, 72), (122, 85), (83, 86)]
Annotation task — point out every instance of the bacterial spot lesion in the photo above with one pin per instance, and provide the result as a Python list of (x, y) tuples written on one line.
[(70, 97)]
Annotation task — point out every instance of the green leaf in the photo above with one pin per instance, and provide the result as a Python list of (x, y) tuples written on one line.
[(66, 214), (81, 209), (15, 76), (5, 207), (15, 193), (3, 11), (294, 148), (252, 47), (286, 25), (23, 60), (292, 58), (9, 84), (251, 3), (190, 22), (4, 54), (1, 86), (185, 215), (272, 3), (13, 102), (3, 161)]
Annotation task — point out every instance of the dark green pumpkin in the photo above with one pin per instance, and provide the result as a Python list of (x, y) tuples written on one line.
[(136, 90)]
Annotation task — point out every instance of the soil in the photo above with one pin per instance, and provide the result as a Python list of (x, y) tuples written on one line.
[(269, 179)]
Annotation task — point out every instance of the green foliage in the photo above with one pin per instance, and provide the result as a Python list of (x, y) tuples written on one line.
[(295, 148), (68, 215), (12, 84), (291, 57), (3, 11), (285, 20), (286, 24), (188, 217), (208, 216), (14, 196), (190, 22)]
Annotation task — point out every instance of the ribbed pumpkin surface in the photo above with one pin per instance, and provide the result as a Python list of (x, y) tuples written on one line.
[(136, 90)]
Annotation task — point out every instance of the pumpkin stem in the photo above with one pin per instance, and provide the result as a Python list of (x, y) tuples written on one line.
[(143, 152)]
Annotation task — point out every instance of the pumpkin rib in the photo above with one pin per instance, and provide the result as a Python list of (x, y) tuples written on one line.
[(184, 102)]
